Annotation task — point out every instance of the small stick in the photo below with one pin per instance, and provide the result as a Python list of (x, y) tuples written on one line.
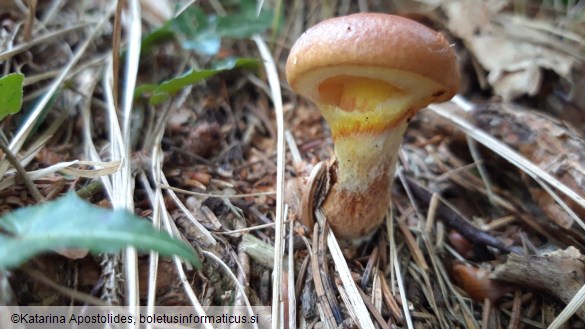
[(329, 319), (389, 299), (412, 245), (30, 185), (487, 308), (373, 309), (559, 273), (329, 293), (454, 219), (370, 268), (516, 308)]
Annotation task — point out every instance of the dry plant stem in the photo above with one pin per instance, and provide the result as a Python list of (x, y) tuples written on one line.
[(30, 19), (371, 267), (27, 127), (376, 292), (291, 293), (390, 300), (560, 273), (116, 42), (157, 204), (329, 319), (455, 220), (412, 245), (39, 40), (516, 309), (487, 309), (260, 251), (326, 275), (301, 275), (30, 185), (313, 193), (503, 150), (532, 221), (373, 310), (275, 90), (354, 302)]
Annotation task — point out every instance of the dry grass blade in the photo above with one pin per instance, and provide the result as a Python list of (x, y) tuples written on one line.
[(123, 186), (373, 309), (389, 298), (355, 301), (63, 167), (45, 38), (235, 280), (327, 314), (292, 300), (503, 150), (155, 199), (211, 195), (575, 304), (396, 273), (22, 135), (209, 239), (274, 83)]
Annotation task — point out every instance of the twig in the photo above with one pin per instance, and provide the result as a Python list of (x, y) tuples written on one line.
[(373, 309), (275, 87), (30, 185), (452, 218), (30, 19), (487, 309), (329, 318), (516, 307), (390, 300), (371, 267)]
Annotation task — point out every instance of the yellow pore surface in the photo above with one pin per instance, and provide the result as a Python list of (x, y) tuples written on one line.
[(358, 105)]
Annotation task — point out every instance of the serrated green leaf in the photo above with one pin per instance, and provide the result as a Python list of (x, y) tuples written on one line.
[(11, 94), (70, 222), (161, 92)]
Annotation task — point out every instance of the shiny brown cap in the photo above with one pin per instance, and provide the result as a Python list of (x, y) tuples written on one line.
[(391, 48)]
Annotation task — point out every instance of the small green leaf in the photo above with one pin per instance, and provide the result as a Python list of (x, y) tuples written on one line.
[(202, 32), (155, 37), (246, 22), (70, 222), (161, 92), (197, 31), (11, 94)]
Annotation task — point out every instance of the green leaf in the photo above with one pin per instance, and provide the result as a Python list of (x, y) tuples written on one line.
[(159, 93), (157, 36), (11, 94), (197, 31), (246, 22), (202, 32), (70, 222)]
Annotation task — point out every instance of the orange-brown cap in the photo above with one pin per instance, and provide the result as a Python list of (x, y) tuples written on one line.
[(399, 51)]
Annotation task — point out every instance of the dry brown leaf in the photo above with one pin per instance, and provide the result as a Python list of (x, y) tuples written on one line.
[(513, 60)]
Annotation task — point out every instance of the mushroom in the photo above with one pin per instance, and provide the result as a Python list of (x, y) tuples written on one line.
[(368, 74)]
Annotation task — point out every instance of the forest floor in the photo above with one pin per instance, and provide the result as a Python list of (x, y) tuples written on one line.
[(194, 127)]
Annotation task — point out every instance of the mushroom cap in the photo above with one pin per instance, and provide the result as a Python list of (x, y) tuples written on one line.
[(405, 54)]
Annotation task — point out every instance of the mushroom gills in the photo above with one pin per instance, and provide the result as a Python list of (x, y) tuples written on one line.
[(360, 105)]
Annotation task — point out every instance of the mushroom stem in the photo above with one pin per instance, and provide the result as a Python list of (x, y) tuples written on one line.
[(367, 121)]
